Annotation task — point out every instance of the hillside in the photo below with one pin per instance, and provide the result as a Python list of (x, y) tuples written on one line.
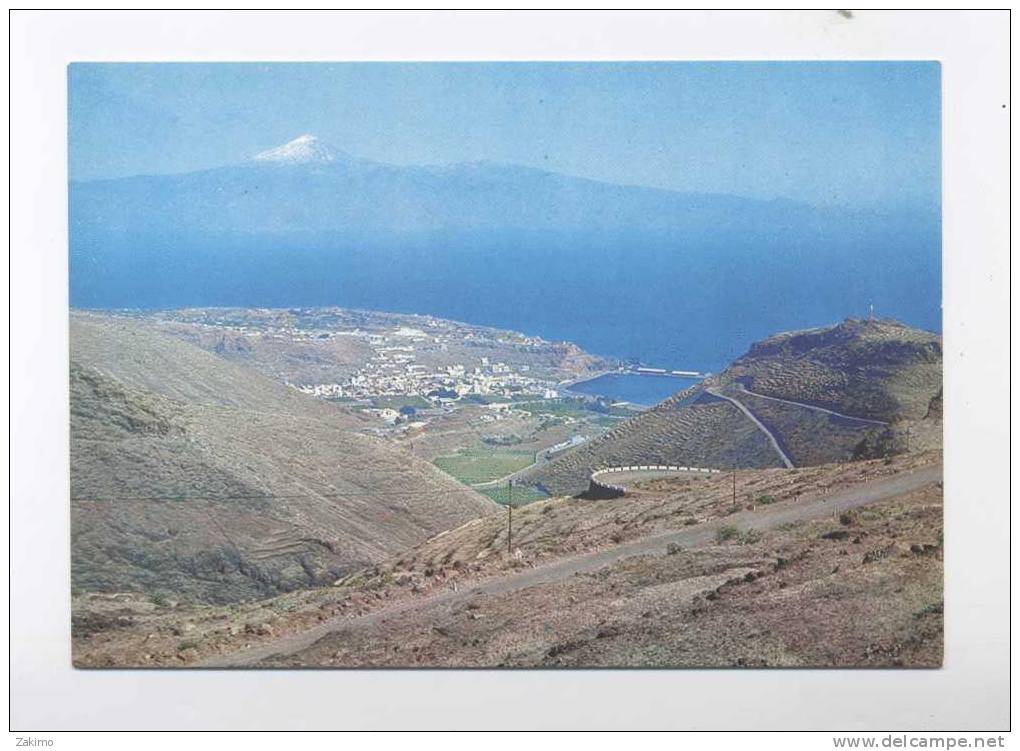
[(196, 478), (769, 597), (881, 369), (855, 390), (837, 565)]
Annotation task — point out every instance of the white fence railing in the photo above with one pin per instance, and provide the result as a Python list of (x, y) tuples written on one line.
[(606, 489), (655, 468)]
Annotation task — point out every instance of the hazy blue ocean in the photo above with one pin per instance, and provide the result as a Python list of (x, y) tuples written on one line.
[(669, 304), (684, 280), (636, 389)]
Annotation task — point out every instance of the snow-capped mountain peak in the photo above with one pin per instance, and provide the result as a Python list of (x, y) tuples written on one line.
[(301, 150)]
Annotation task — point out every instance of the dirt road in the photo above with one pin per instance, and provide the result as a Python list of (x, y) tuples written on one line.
[(763, 518)]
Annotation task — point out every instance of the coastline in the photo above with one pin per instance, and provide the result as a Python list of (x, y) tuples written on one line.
[(661, 372)]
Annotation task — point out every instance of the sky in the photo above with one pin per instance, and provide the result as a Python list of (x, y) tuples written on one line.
[(862, 134)]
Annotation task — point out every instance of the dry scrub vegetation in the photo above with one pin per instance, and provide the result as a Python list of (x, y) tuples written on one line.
[(879, 370), (862, 588), (195, 479)]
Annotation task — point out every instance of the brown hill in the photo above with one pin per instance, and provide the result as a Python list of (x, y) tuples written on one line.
[(855, 390), (881, 369), (767, 581), (193, 477)]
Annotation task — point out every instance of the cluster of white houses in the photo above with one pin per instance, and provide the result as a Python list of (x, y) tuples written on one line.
[(451, 384), (393, 371)]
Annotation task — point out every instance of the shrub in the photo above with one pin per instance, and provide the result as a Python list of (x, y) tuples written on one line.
[(750, 537), (673, 548), (765, 500), (932, 608), (836, 534), (724, 534)]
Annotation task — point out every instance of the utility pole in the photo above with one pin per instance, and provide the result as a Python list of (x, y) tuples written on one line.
[(509, 515), (734, 476)]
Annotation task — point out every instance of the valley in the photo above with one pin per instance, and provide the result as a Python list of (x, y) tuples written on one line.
[(220, 455), (224, 514), (197, 478)]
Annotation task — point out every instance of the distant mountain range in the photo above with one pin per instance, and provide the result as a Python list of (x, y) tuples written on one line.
[(306, 186), (497, 244)]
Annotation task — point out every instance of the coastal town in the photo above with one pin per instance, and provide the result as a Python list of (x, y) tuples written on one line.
[(368, 356), (404, 369), (479, 402), (394, 372)]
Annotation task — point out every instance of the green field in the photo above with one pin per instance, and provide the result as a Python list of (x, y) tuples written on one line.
[(574, 407), (474, 466), (558, 407), (521, 496)]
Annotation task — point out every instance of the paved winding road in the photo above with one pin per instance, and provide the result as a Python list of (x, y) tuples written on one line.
[(750, 416), (767, 517), (811, 406)]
